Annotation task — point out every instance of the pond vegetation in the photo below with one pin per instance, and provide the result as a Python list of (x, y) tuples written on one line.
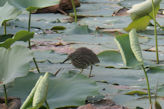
[(128, 44)]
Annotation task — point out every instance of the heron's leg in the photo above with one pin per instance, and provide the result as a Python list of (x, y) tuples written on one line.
[(64, 61), (81, 71), (90, 71)]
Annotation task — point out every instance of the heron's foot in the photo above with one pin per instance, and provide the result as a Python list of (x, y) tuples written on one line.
[(92, 75)]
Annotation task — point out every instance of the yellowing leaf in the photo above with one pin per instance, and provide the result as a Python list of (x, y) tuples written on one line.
[(136, 92), (139, 24)]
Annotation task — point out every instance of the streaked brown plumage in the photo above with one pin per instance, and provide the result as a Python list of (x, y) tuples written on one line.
[(82, 58)]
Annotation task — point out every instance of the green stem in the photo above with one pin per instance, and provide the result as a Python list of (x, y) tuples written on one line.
[(148, 86), (29, 22), (29, 42), (47, 106), (5, 29), (156, 22), (155, 32), (29, 27), (74, 9), (6, 102), (37, 67)]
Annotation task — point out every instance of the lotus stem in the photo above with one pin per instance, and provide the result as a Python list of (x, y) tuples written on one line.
[(47, 105), (5, 29), (74, 9), (148, 86), (6, 101), (156, 22), (37, 67), (29, 42), (29, 28), (155, 32)]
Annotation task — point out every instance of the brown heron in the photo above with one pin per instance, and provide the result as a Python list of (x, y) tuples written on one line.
[(82, 58)]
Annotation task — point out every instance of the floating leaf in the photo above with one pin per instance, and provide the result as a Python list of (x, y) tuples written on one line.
[(135, 46), (19, 36), (55, 28), (136, 92), (156, 69), (70, 89), (110, 58), (123, 44), (79, 29), (14, 63), (41, 92), (8, 12)]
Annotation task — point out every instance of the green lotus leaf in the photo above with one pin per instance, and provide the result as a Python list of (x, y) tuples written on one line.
[(19, 36), (135, 46), (141, 14), (2, 2), (14, 63), (139, 24), (28, 102), (8, 12), (127, 54), (31, 5), (143, 8), (41, 92), (69, 89)]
